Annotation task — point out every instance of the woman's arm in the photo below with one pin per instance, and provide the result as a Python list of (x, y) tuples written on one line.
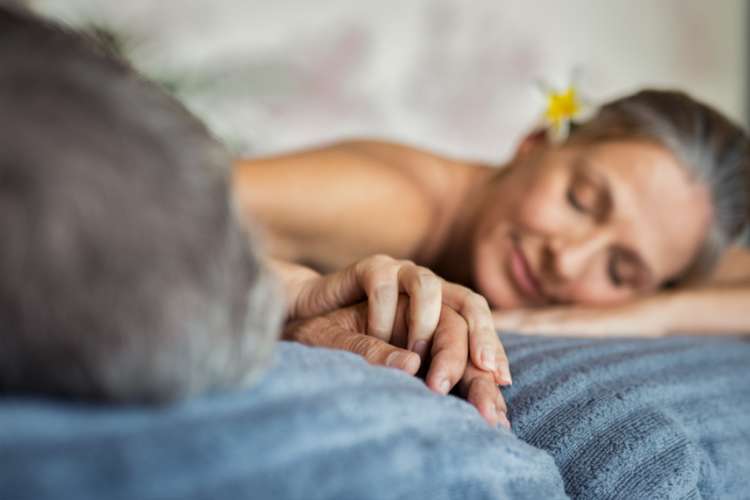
[(719, 306), (733, 269)]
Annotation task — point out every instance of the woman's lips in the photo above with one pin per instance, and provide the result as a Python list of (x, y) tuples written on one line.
[(522, 275)]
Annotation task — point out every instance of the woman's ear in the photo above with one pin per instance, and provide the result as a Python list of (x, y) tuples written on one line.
[(533, 140)]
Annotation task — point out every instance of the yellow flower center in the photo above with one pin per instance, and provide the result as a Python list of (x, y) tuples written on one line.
[(562, 107)]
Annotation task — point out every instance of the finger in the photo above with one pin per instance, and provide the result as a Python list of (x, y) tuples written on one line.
[(379, 352), (339, 334), (378, 277), (449, 352), (321, 330), (318, 295), (486, 397), (424, 289), (485, 348), (482, 392)]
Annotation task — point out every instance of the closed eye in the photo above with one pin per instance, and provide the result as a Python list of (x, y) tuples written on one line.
[(573, 200), (583, 195), (613, 272), (624, 269), (589, 193)]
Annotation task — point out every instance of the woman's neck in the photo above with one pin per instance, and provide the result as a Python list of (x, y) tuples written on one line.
[(454, 258)]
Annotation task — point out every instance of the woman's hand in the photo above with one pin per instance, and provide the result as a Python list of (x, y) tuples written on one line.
[(448, 364), (642, 318), (380, 279)]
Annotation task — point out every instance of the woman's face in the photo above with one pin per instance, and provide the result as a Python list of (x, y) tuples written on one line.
[(593, 224)]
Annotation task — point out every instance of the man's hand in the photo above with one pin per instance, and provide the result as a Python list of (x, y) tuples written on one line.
[(447, 358)]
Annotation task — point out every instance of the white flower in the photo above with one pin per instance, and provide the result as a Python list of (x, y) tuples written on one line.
[(563, 107)]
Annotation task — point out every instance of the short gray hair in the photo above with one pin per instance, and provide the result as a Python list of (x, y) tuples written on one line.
[(714, 151), (124, 273)]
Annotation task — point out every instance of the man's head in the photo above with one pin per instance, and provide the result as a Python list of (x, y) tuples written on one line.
[(648, 192), (124, 274)]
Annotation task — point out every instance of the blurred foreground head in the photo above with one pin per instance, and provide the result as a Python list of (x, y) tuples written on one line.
[(124, 275)]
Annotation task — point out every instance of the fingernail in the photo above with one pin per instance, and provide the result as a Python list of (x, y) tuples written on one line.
[(502, 419), (444, 386), (506, 376), (403, 361), (502, 377), (420, 347), (488, 359)]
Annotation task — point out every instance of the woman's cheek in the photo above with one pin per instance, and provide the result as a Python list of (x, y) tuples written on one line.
[(541, 211)]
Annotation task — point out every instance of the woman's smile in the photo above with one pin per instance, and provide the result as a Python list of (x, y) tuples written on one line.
[(523, 277)]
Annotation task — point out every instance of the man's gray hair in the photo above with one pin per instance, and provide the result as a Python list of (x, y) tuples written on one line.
[(124, 273)]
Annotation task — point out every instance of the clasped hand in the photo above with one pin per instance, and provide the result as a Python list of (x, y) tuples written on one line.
[(397, 314)]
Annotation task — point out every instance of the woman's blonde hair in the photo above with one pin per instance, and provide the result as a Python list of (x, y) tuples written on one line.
[(714, 151)]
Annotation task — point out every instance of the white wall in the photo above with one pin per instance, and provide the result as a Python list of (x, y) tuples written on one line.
[(455, 76)]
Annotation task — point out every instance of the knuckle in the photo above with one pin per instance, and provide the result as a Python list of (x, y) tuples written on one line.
[(466, 296), (382, 291), (373, 264), (455, 357), (361, 345), (380, 260), (456, 371), (452, 317), (421, 331), (471, 373), (445, 369), (381, 281), (427, 280), (313, 331), (478, 302), (486, 386), (374, 329)]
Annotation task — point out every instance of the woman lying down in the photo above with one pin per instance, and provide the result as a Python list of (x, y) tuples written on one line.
[(125, 275), (618, 230)]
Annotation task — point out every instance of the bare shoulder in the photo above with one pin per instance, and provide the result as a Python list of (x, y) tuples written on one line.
[(334, 204), (441, 181), (436, 173)]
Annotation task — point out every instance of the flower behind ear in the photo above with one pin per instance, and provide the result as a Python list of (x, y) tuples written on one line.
[(563, 107)]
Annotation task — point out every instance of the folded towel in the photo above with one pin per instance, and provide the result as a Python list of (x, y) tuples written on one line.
[(321, 424), (625, 418)]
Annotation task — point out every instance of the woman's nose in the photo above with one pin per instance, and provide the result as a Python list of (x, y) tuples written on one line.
[(570, 258)]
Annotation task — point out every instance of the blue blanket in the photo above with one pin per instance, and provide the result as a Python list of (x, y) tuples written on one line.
[(322, 424), (665, 418)]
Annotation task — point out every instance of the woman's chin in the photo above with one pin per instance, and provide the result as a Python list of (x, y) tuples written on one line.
[(490, 281), (500, 299)]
